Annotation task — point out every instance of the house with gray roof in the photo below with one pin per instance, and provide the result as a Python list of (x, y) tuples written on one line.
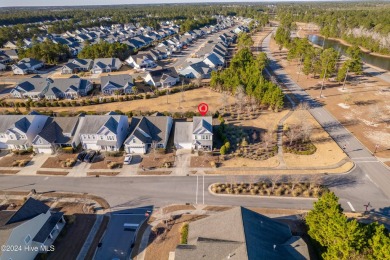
[(164, 78), (214, 61), (122, 83), (240, 233), (58, 132), (26, 66), (18, 131), (141, 60), (146, 130), (77, 65), (106, 65), (33, 226), (199, 70), (60, 88), (104, 132), (196, 135)]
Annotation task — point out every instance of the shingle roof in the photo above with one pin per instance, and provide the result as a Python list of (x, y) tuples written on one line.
[(30, 209), (153, 126), (261, 238), (93, 123), (47, 228), (22, 122), (202, 124), (118, 81), (56, 128), (158, 74)]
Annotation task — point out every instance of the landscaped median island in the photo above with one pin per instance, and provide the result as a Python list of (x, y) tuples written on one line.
[(271, 188)]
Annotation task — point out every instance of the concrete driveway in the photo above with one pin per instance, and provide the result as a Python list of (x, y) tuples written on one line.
[(118, 241)]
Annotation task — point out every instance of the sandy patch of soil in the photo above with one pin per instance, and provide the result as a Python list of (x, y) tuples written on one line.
[(328, 152)]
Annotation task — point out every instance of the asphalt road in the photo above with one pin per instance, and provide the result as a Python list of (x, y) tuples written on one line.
[(369, 181), (367, 166)]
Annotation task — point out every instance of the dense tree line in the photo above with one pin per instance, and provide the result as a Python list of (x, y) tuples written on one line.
[(363, 24), (71, 18), (244, 74), (104, 49), (46, 51), (316, 61), (342, 238)]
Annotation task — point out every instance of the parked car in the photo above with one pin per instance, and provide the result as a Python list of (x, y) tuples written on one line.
[(81, 156), (128, 159), (89, 156)]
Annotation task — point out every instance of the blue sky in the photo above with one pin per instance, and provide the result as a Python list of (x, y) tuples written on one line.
[(4, 3)]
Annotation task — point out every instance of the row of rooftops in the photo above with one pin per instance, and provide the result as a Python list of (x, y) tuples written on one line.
[(135, 36)]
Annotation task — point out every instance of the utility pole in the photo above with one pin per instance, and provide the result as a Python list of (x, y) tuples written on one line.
[(345, 79), (299, 67), (323, 79)]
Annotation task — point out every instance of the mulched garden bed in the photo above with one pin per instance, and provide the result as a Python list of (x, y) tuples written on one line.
[(11, 160), (102, 173), (60, 161), (300, 148), (52, 173), (9, 171), (300, 189), (203, 161), (154, 173)]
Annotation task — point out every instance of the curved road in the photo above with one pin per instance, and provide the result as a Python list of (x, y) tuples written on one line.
[(369, 181), (371, 178)]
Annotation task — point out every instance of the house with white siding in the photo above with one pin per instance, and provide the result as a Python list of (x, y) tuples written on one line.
[(33, 226), (146, 130), (164, 78), (18, 131), (60, 88), (26, 66), (197, 135), (122, 83), (104, 132), (58, 132), (106, 65)]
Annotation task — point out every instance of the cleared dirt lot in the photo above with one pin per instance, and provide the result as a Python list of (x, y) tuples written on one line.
[(191, 100), (363, 107), (328, 152)]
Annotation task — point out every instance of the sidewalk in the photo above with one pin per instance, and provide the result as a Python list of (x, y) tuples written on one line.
[(84, 250)]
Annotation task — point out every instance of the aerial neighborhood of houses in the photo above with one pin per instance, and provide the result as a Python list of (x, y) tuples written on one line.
[(154, 59), (109, 132)]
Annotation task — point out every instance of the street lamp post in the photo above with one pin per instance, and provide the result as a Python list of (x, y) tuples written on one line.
[(323, 79), (345, 79)]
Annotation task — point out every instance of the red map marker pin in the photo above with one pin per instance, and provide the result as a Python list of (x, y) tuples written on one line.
[(203, 108)]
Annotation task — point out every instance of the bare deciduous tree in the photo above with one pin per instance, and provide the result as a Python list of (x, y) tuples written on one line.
[(224, 100), (307, 130), (252, 180), (293, 133), (254, 136), (294, 179), (231, 179), (240, 96), (267, 138), (315, 181), (275, 179)]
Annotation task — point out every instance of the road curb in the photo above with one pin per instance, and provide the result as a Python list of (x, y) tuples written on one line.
[(256, 196)]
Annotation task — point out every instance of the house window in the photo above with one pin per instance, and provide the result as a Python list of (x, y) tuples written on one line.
[(27, 239), (134, 141), (101, 137), (2, 136)]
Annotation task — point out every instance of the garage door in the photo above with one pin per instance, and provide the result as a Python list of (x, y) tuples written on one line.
[(92, 147), (3, 146), (183, 145), (45, 150), (139, 150)]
